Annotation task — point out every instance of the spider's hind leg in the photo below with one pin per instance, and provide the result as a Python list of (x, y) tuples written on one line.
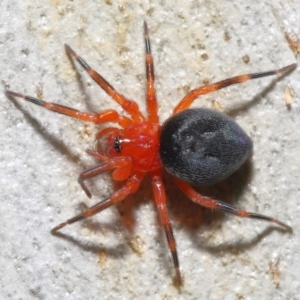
[(222, 206), (206, 89), (160, 200)]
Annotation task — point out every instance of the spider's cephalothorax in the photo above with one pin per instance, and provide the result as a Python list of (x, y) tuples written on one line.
[(140, 142), (197, 146)]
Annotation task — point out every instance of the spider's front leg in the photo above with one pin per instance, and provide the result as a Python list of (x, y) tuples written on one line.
[(150, 87), (128, 105), (109, 115)]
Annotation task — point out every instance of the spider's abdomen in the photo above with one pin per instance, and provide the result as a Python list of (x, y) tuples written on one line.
[(203, 146)]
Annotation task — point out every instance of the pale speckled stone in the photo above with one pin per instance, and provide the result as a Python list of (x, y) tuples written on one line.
[(42, 153)]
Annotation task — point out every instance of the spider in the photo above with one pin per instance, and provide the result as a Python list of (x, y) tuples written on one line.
[(197, 146)]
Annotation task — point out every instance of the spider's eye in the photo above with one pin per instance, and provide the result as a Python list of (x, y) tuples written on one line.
[(117, 144)]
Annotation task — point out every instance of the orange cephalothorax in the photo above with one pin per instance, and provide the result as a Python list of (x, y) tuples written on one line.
[(140, 141)]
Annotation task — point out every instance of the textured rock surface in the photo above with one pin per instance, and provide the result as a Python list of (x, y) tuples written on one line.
[(122, 252)]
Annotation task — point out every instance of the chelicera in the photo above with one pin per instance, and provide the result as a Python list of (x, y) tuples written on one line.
[(197, 146)]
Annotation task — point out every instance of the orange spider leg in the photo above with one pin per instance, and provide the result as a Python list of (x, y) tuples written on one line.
[(160, 200), (102, 117), (123, 163), (192, 95), (130, 187), (219, 205), (130, 106), (150, 94)]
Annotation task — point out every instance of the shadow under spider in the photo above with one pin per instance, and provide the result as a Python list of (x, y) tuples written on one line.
[(118, 251), (57, 143), (184, 212)]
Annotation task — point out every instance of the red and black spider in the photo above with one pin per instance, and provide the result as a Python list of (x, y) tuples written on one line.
[(197, 146)]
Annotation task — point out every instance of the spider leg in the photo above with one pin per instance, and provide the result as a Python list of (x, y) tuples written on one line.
[(150, 94), (219, 205), (122, 163), (130, 187), (130, 106), (192, 95), (102, 117), (160, 200)]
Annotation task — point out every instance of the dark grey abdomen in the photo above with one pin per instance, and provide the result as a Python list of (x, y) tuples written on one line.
[(203, 146)]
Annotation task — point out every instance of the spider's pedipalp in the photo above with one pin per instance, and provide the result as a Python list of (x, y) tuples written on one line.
[(128, 105), (106, 131), (97, 155), (194, 94), (120, 162), (222, 206)]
